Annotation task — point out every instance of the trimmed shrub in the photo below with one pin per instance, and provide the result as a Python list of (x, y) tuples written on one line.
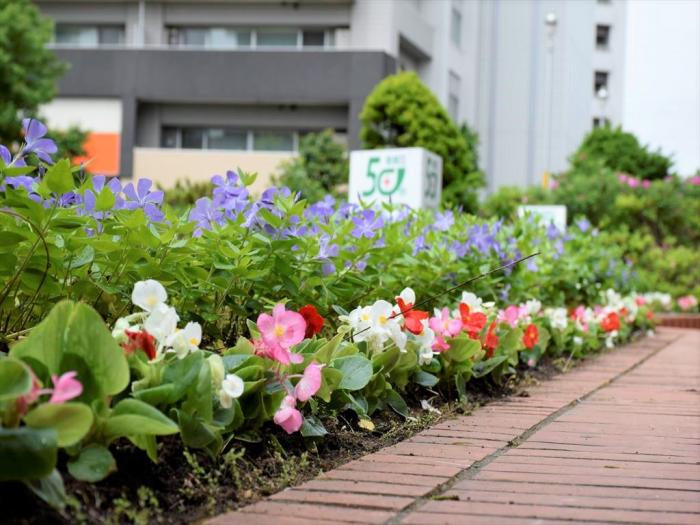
[(402, 112)]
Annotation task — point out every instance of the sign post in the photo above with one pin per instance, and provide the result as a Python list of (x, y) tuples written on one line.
[(411, 176), (548, 213)]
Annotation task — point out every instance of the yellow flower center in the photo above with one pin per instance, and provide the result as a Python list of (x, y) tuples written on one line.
[(279, 330), (382, 319), (193, 341), (364, 317)]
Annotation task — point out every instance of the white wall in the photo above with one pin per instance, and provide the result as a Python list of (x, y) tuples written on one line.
[(662, 78)]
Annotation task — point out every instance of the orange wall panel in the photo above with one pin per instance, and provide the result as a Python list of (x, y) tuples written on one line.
[(102, 151)]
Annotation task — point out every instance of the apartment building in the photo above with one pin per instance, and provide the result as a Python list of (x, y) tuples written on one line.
[(175, 89)]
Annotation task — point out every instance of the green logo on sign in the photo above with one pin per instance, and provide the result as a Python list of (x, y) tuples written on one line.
[(386, 181)]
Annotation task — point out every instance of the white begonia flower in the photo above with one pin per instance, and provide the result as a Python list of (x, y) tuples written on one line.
[(118, 332), (162, 322), (148, 294), (425, 355), (558, 318), (186, 340), (359, 320), (578, 341), (613, 299), (474, 302), (425, 405), (610, 339), (231, 388), (216, 368), (408, 295), (533, 306)]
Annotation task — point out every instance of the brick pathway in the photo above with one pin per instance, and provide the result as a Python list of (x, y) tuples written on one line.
[(617, 440)]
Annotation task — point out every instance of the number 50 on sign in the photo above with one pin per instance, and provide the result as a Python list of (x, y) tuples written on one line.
[(411, 176)]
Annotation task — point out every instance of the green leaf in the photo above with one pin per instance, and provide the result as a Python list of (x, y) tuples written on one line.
[(9, 238), (59, 178), (356, 370), (385, 361), (312, 427), (94, 463), (74, 337), (71, 421), (27, 453), (324, 355), (463, 348), (50, 488), (425, 379), (86, 256), (15, 379), (330, 379), (484, 368), (132, 416), (396, 402), (105, 200)]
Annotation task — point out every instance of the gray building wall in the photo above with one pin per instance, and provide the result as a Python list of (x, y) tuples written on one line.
[(321, 84)]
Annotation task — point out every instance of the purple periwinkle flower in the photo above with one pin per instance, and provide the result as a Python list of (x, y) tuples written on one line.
[(229, 193), (326, 249), (143, 197), (583, 224), (322, 209), (20, 181), (35, 142), (367, 222), (444, 221), (206, 215), (552, 231), (419, 245), (5, 155)]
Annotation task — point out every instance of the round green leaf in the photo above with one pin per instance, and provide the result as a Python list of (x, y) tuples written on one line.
[(133, 417), (27, 453), (71, 421), (356, 370), (15, 379), (94, 463)]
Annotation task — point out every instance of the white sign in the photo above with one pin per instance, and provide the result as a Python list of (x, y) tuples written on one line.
[(411, 176), (554, 214)]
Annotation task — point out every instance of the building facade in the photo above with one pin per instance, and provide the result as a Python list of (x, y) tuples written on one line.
[(176, 89)]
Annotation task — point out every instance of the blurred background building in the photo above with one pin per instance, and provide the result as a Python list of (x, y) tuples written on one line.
[(175, 89)]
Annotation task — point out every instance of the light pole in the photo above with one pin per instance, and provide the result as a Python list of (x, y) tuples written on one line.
[(550, 21), (602, 96)]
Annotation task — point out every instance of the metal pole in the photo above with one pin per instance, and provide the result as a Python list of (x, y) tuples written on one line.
[(551, 22)]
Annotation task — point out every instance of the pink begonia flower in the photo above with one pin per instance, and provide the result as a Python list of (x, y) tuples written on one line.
[(695, 180), (444, 326), (633, 182), (687, 302), (65, 387), (622, 178), (512, 315), (440, 344), (27, 399), (646, 184), (287, 416), (640, 300), (309, 383), (280, 331)]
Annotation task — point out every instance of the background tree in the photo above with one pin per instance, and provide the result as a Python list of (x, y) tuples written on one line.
[(621, 152), (319, 169), (28, 70), (402, 112)]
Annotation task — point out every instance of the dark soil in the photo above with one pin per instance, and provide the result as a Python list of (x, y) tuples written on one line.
[(186, 486)]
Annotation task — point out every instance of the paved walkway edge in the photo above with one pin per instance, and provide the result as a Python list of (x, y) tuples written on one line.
[(419, 478)]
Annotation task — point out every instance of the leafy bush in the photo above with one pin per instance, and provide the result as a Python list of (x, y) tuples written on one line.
[(402, 112), (505, 200), (621, 151), (319, 169), (185, 193)]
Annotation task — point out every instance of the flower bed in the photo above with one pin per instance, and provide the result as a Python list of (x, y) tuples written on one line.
[(245, 313)]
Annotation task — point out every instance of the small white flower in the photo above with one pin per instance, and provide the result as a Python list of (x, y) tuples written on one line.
[(533, 306), (425, 355), (425, 405), (578, 341), (148, 295), (408, 295), (162, 322), (216, 368), (231, 388), (186, 340), (558, 318), (474, 302), (118, 332)]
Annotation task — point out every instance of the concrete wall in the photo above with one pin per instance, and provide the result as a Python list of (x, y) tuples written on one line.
[(167, 166)]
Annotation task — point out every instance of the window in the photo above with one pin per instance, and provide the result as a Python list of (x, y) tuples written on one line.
[(453, 88), (599, 122), (600, 81), (456, 27), (273, 141), (313, 38), (602, 36), (89, 35), (276, 38), (228, 139), (209, 37)]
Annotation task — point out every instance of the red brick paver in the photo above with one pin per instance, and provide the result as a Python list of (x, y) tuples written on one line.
[(616, 441)]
